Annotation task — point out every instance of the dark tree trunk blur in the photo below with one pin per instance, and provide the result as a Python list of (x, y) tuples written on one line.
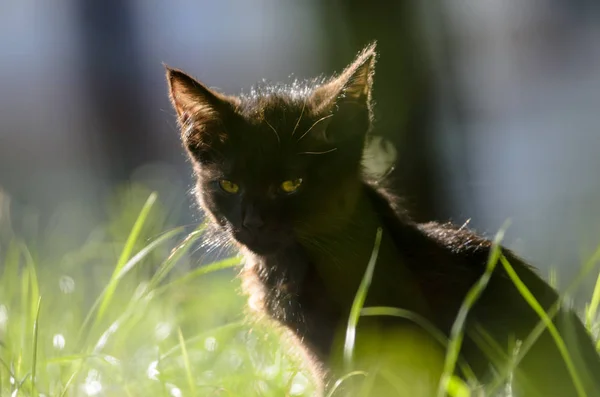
[(112, 76), (403, 89)]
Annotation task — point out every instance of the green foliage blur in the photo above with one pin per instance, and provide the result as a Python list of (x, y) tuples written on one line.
[(139, 309), (133, 311)]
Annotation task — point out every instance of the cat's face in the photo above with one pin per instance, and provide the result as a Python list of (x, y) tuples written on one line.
[(282, 163)]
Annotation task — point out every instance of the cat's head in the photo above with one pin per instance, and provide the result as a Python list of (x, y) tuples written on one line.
[(283, 162)]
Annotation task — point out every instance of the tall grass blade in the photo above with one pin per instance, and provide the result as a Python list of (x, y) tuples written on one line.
[(528, 296), (186, 361), (592, 310), (423, 323), (35, 348), (201, 271), (125, 254), (359, 300), (174, 257), (33, 281), (457, 331), (550, 313), (124, 270), (341, 380)]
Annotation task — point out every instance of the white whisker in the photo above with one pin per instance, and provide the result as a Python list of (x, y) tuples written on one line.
[(326, 151), (314, 124), (299, 118), (274, 130)]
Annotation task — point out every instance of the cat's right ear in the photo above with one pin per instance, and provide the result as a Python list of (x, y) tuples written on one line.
[(201, 112), (193, 101)]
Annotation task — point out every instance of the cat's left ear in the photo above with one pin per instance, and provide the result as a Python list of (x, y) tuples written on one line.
[(352, 86)]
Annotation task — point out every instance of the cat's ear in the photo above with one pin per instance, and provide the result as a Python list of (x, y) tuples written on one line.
[(193, 100), (201, 112), (352, 86), (345, 100)]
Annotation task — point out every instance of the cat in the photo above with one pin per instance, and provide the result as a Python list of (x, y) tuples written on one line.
[(280, 172)]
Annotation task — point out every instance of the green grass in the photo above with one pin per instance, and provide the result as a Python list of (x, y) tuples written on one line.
[(135, 311)]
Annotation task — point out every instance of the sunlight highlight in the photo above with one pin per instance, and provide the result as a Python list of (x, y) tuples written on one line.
[(58, 341)]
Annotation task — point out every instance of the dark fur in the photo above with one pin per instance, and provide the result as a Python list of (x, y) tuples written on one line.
[(317, 131)]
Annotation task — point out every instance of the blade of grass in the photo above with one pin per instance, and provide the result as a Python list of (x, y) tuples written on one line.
[(341, 380), (8, 369), (33, 280), (359, 300), (26, 320), (202, 336), (457, 330), (186, 361), (423, 323), (35, 347), (492, 349), (124, 270), (71, 380), (19, 384), (138, 305), (174, 257), (592, 310), (528, 296), (72, 358), (176, 254), (148, 291), (133, 312), (541, 325), (125, 254), (202, 270)]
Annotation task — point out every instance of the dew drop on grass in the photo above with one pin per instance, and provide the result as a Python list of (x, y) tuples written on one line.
[(3, 317), (174, 390), (211, 344), (162, 331), (112, 360), (92, 385), (66, 284), (58, 341), (152, 371), (271, 371), (106, 335)]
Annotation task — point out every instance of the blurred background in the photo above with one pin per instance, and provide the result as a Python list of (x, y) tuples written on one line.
[(494, 106)]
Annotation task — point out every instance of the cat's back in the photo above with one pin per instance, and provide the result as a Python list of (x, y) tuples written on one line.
[(466, 251), (455, 239)]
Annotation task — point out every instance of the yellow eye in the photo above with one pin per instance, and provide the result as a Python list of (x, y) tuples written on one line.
[(291, 186), (229, 186)]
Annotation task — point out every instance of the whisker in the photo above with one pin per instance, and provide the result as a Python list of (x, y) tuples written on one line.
[(325, 152), (184, 226), (299, 118), (274, 130), (314, 124)]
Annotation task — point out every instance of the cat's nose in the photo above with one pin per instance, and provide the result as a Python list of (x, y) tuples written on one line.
[(252, 219), (253, 223)]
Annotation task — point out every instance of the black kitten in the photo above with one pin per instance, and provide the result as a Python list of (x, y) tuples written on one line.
[(280, 170)]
